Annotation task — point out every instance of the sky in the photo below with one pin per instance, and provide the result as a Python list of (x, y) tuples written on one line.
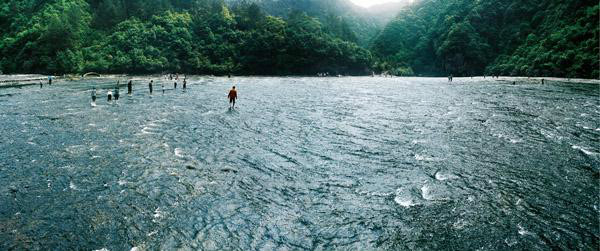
[(369, 3)]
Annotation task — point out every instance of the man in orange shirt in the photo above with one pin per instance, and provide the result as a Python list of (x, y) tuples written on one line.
[(232, 97)]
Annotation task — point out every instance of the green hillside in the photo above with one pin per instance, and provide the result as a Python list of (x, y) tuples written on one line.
[(301, 37), (508, 37), (341, 17), (141, 36)]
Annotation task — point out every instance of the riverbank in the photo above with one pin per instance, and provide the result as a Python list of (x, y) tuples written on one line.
[(34, 79), (26, 79), (550, 80)]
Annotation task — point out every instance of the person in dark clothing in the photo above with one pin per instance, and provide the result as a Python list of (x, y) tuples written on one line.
[(117, 93), (184, 84), (130, 87), (175, 85), (150, 86), (109, 95), (232, 97)]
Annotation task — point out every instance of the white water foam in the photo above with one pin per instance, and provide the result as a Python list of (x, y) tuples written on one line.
[(418, 141), (405, 198), (146, 129), (515, 141), (407, 203), (510, 242), (423, 158), (444, 176), (157, 215), (179, 152), (505, 137), (522, 230), (460, 224), (207, 113), (426, 192), (150, 128), (583, 150)]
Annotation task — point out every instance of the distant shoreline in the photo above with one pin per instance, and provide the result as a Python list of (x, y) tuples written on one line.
[(16, 80)]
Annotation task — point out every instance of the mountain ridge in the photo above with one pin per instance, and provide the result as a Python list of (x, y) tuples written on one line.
[(513, 37), (366, 23)]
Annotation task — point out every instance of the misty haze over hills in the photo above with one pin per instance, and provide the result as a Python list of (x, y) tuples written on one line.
[(365, 22), (387, 11)]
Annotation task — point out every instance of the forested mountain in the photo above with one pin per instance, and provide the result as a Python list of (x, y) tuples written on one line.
[(298, 37), (507, 37), (151, 36), (341, 17)]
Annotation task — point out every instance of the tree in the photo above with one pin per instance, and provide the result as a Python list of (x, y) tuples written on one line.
[(548, 38), (47, 43)]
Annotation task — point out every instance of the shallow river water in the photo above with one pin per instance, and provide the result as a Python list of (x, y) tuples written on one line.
[(302, 164)]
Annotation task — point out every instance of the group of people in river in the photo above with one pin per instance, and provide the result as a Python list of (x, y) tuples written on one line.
[(543, 81), (49, 82), (451, 77), (115, 95), (232, 96), (151, 86)]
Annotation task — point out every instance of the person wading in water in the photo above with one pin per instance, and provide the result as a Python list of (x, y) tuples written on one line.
[(94, 95), (232, 97), (117, 95)]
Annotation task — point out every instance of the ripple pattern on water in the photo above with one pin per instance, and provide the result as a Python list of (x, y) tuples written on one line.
[(302, 164)]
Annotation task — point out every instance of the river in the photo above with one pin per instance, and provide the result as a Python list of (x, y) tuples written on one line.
[(302, 164)]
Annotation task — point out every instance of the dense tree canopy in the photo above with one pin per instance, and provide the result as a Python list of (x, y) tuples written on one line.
[(341, 17), (508, 37), (304, 37), (200, 36)]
